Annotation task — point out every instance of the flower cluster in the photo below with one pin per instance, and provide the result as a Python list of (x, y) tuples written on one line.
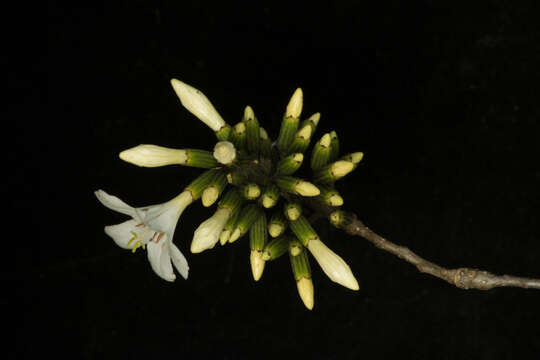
[(260, 197)]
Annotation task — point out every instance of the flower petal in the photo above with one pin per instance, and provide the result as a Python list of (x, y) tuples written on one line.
[(155, 257), (114, 203), (122, 233), (179, 261)]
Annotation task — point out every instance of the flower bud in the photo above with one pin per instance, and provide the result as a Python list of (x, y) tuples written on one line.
[(198, 104), (224, 152)]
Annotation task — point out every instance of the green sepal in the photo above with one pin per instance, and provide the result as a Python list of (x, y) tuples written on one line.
[(275, 248), (340, 219), (238, 136), (224, 133), (292, 211), (197, 186), (247, 217), (289, 164), (219, 182), (231, 200), (277, 224), (332, 172), (270, 196), (300, 261), (235, 177), (334, 146), (330, 196), (229, 227), (200, 158), (265, 143), (258, 234), (301, 140), (303, 230), (297, 186), (252, 134), (289, 127), (321, 152)]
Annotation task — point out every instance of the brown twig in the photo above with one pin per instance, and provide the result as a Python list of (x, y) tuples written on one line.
[(464, 278)]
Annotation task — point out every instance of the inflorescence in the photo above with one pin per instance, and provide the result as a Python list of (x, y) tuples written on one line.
[(261, 197)]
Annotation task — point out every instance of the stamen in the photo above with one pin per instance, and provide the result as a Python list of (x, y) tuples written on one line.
[(133, 238), (139, 225), (137, 244), (159, 237)]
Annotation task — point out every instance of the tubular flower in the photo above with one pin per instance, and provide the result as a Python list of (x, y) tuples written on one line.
[(150, 227)]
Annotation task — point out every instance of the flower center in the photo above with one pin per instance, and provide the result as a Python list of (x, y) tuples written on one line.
[(138, 239)]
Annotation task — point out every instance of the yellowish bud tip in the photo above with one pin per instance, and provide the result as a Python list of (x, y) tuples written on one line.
[(209, 196), (315, 118), (275, 230), (235, 235), (248, 113), (293, 213), (336, 200), (257, 264), (263, 134), (298, 157), (253, 191), (224, 236), (325, 140), (268, 202), (240, 128), (305, 188), (357, 157), (265, 255), (341, 168), (305, 132), (305, 290), (333, 134), (294, 108), (229, 178), (295, 250), (335, 217)]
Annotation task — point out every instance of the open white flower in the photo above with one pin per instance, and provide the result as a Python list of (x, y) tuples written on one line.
[(207, 234), (152, 227), (198, 104), (332, 264)]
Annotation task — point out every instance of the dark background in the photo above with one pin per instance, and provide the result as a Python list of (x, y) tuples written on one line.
[(441, 97)]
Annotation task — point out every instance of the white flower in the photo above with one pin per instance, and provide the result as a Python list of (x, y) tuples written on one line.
[(207, 234), (153, 156), (333, 265), (224, 152), (198, 104), (152, 227)]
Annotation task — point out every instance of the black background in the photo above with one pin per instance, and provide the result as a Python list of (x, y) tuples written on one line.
[(441, 97)]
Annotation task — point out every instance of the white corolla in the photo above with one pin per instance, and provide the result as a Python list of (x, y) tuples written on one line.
[(150, 227)]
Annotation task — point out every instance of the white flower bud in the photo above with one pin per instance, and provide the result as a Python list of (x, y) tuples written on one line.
[(333, 265), (207, 234), (224, 152), (198, 104), (153, 156)]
